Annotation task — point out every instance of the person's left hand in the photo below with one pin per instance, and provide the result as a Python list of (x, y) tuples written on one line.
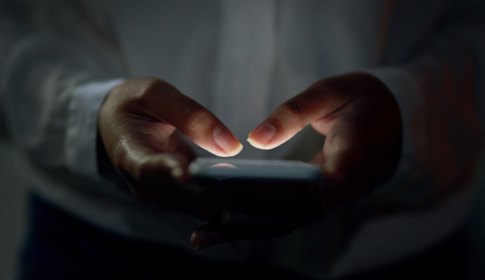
[(362, 123)]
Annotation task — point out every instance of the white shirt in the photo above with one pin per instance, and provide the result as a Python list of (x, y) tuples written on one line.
[(241, 59)]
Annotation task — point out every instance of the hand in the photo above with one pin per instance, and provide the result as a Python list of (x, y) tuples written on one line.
[(362, 124), (138, 124)]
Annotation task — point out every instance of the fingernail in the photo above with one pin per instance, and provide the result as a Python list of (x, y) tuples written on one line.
[(226, 141), (261, 136)]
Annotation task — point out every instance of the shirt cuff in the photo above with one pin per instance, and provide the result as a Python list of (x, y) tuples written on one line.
[(407, 92), (82, 126)]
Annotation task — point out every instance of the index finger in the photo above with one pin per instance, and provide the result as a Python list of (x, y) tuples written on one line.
[(165, 103), (317, 102)]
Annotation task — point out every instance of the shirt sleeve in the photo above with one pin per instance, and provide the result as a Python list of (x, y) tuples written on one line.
[(54, 78), (441, 93), (11, 30), (81, 129)]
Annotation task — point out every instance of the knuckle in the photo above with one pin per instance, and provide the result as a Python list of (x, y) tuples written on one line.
[(195, 115), (143, 91), (139, 92), (150, 88), (292, 109)]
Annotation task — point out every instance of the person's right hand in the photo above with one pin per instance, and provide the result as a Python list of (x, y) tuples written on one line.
[(138, 124)]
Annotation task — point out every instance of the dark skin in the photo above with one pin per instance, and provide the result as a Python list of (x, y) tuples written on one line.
[(138, 124)]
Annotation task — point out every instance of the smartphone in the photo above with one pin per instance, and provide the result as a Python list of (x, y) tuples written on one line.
[(256, 176)]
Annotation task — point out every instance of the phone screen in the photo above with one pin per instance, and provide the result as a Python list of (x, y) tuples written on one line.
[(248, 181), (254, 170)]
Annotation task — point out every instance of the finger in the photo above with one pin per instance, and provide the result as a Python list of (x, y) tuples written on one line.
[(165, 103), (318, 159), (317, 102), (350, 158), (156, 177), (149, 157), (343, 149), (178, 145), (213, 234)]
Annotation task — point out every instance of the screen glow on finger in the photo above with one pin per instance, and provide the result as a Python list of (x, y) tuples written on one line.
[(223, 165)]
